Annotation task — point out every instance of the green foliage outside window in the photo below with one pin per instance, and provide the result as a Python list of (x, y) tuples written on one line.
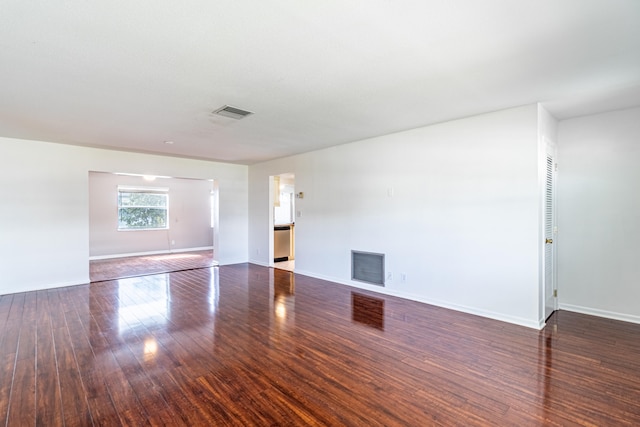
[(140, 210)]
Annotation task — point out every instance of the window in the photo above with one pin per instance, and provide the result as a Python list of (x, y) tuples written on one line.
[(143, 208), (212, 205)]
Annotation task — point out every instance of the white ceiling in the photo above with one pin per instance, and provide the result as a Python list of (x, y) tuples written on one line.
[(132, 74)]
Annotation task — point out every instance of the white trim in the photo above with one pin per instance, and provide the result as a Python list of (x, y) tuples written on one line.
[(469, 310), (271, 211), (172, 251), (234, 261), (145, 176), (601, 313), (263, 264), (43, 286), (144, 229), (138, 189)]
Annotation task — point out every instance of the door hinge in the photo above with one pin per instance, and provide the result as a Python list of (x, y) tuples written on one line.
[(555, 293)]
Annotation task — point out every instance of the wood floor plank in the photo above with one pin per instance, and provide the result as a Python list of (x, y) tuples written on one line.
[(48, 398), (17, 307), (98, 399), (9, 341), (5, 308), (22, 409), (7, 367), (72, 390), (110, 379)]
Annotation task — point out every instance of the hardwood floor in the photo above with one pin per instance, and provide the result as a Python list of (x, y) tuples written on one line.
[(285, 265), (118, 268), (250, 346)]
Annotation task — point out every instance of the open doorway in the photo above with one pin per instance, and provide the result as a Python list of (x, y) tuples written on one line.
[(140, 224), (282, 206)]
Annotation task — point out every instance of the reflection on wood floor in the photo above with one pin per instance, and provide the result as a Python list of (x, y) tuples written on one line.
[(251, 346), (118, 268), (285, 265)]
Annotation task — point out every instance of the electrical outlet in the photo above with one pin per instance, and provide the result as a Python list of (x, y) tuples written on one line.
[(389, 276), (403, 277), (173, 242)]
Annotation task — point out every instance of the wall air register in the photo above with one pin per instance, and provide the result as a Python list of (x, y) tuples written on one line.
[(367, 267), (232, 112)]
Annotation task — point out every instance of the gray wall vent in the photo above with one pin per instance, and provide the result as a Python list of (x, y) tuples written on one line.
[(367, 267)]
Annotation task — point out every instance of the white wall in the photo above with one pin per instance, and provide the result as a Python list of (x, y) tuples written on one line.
[(44, 214), (189, 216), (599, 214), (453, 206), (44, 220)]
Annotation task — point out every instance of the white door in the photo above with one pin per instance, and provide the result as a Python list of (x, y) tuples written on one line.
[(549, 234)]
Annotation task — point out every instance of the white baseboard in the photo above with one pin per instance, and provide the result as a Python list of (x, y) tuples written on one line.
[(444, 304), (130, 254), (43, 286), (263, 264), (233, 261), (600, 313)]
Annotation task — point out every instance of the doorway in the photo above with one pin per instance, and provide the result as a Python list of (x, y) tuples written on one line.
[(282, 214), (144, 224)]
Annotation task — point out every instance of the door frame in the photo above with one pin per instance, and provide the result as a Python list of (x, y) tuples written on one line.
[(271, 240), (270, 208), (548, 147)]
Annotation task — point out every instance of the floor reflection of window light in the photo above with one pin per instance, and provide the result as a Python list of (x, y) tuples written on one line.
[(154, 309), (281, 310), (150, 348), (214, 291), (150, 313)]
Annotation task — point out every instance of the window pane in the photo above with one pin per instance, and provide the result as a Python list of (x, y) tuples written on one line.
[(142, 199), (140, 218), (140, 210)]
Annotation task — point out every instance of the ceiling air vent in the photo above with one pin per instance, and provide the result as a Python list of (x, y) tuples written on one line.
[(232, 112)]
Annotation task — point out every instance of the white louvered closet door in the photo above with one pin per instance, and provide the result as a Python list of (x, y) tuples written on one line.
[(550, 297)]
